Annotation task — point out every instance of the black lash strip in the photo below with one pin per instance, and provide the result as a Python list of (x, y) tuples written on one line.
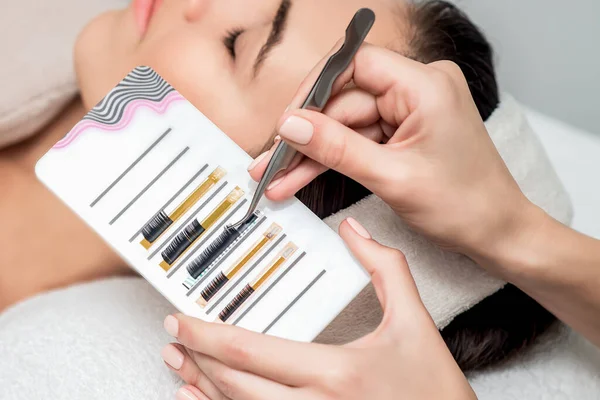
[(157, 225), (203, 261), (212, 252), (182, 241), (216, 285), (236, 303)]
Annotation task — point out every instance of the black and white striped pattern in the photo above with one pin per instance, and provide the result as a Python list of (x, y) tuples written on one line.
[(143, 83)]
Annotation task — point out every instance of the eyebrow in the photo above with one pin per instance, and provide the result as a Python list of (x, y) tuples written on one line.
[(274, 39)]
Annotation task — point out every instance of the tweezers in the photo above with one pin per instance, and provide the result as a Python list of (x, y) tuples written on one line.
[(357, 31)]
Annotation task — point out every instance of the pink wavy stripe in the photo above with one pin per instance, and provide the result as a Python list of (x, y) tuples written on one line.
[(160, 108)]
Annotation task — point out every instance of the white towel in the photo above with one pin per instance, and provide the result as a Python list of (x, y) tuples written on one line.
[(450, 284), (37, 76), (102, 341)]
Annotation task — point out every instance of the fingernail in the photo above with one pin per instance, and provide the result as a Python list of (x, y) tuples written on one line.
[(257, 160), (185, 394), (297, 130), (275, 183), (172, 356), (358, 228), (171, 325), (277, 139)]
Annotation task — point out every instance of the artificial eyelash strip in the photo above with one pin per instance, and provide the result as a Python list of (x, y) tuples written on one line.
[(205, 239), (224, 256), (170, 201), (225, 276), (186, 238), (262, 277), (274, 283), (247, 271), (215, 194), (161, 221), (219, 249)]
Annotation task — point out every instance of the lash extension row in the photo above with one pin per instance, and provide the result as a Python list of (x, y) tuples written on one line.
[(260, 280), (219, 249), (161, 222), (211, 290), (191, 233)]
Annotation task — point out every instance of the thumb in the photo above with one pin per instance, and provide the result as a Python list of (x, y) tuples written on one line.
[(334, 145), (390, 275)]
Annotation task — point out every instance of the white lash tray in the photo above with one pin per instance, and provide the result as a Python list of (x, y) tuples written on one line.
[(144, 149)]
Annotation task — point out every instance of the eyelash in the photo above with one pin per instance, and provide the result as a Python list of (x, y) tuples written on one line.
[(230, 39)]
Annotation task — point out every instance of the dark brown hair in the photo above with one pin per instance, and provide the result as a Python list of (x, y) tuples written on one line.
[(509, 320)]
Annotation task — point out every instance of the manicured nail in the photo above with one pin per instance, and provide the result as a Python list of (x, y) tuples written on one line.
[(358, 228), (275, 183), (171, 325), (257, 160), (172, 356), (297, 130), (185, 394)]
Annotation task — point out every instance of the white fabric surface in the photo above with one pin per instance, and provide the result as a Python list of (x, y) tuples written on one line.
[(102, 341), (562, 366), (36, 70), (575, 155)]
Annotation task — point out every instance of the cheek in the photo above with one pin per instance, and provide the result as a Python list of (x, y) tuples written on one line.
[(198, 70), (102, 55), (251, 133), (192, 65)]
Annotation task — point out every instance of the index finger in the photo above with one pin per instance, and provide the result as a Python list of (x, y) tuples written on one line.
[(377, 71), (284, 361), (392, 79)]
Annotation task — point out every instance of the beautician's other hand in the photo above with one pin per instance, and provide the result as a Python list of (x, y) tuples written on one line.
[(404, 358), (438, 168)]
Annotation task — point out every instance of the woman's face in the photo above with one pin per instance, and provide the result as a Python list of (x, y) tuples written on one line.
[(239, 61)]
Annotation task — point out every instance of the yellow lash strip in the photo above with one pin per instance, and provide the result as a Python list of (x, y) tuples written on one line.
[(161, 222), (264, 276), (190, 234), (211, 181), (266, 273), (223, 277), (222, 208)]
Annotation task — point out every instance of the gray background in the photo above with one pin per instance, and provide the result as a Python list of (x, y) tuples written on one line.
[(548, 54)]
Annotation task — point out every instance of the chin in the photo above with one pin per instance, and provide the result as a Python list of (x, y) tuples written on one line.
[(100, 56)]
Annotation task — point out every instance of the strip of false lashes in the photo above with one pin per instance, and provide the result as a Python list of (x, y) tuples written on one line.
[(161, 221), (225, 276), (188, 236), (218, 249), (260, 280)]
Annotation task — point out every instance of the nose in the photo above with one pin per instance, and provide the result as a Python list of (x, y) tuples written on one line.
[(195, 9)]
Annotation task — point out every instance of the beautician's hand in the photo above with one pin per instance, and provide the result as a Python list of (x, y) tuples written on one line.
[(405, 358), (438, 168), (441, 173)]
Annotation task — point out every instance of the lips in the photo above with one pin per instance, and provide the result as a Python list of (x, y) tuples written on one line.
[(143, 11)]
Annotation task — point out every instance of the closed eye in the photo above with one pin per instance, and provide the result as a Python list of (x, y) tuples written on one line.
[(230, 39)]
